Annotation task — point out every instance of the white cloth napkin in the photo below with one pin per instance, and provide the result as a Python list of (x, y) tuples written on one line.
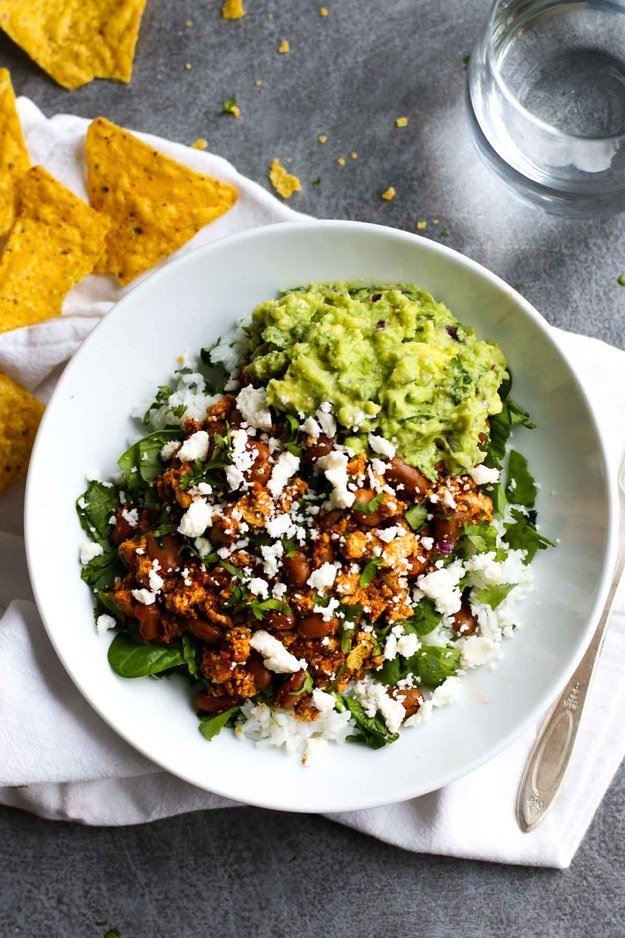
[(59, 760)]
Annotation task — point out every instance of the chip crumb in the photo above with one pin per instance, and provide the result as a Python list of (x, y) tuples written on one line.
[(401, 121), (230, 106), (388, 194), (323, 11), (232, 10), (283, 182), (436, 221), (188, 66), (284, 46), (421, 225), (258, 82), (322, 138), (341, 161), (188, 23), (353, 155), (199, 144)]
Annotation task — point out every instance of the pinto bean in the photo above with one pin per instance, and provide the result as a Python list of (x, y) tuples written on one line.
[(122, 530), (281, 621), (287, 695), (219, 533), (321, 447), (206, 631), (297, 568), (209, 704), (449, 527), (315, 626), (371, 520), (323, 551), (149, 621), (261, 469), (414, 482), (261, 675), (415, 566), (164, 549), (411, 699), (465, 622)]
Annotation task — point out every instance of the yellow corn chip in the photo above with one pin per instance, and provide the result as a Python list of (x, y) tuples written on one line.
[(20, 414), (13, 153), (155, 204), (55, 242), (76, 41)]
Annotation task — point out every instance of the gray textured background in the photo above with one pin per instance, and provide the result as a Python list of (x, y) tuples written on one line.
[(245, 871)]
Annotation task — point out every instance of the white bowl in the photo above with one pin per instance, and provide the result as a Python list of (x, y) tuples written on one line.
[(188, 305)]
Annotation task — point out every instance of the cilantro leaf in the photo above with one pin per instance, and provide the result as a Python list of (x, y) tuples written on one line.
[(493, 596), (212, 724), (369, 571), (435, 664), (416, 517), (521, 534), (192, 655), (372, 730), (501, 425), (520, 484), (367, 508), (425, 619), (482, 536)]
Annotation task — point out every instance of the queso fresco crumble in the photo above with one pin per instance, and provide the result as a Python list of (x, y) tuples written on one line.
[(323, 529)]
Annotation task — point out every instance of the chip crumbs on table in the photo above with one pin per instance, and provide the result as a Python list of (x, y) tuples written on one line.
[(154, 203), (284, 183), (388, 194), (14, 160), (55, 242), (75, 41), (232, 10), (20, 414)]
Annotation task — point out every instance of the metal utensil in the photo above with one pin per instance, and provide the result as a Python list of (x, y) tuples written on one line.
[(551, 753)]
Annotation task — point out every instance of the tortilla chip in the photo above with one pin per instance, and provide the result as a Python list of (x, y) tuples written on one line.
[(155, 204), (76, 41), (283, 182), (20, 414), (14, 159), (55, 241)]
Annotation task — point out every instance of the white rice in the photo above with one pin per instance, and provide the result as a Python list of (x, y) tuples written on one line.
[(267, 727)]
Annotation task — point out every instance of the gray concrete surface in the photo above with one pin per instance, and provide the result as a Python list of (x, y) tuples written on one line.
[(348, 75)]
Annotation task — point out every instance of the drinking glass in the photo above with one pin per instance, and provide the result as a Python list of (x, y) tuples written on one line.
[(546, 97)]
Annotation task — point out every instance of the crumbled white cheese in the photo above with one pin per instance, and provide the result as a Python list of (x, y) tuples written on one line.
[(131, 516), (327, 612), (446, 693), (155, 581), (275, 656), (259, 587), (82, 504), (196, 447), (315, 747), (169, 449), (427, 543), (334, 467), (103, 623), (326, 420), (252, 405), (202, 546), (196, 518), (482, 475), (242, 459), (278, 526), (389, 534), (322, 701), (449, 500), (89, 551), (144, 596), (379, 445), (279, 591), (477, 650), (312, 428), (271, 554), (374, 698), (400, 643), (323, 577), (441, 586), (202, 488), (286, 466)]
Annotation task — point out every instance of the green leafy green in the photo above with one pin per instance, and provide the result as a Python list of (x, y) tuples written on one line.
[(95, 506), (220, 457), (106, 603), (499, 499), (142, 463), (425, 619), (260, 608), (130, 658), (229, 105), (101, 572), (162, 396), (520, 484), (192, 655), (493, 596), (435, 664), (391, 671), (416, 517), (290, 547), (369, 571), (372, 730), (482, 536), (621, 280), (113, 933), (521, 534), (211, 726), (367, 508), (501, 425), (235, 571)]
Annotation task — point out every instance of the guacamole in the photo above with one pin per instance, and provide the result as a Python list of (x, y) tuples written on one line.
[(389, 359)]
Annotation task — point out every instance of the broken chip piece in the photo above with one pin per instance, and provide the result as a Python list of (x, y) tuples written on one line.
[(155, 204), (20, 414), (14, 159), (283, 182), (55, 242), (76, 41)]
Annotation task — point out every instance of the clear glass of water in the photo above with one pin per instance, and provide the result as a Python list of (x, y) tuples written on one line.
[(546, 97)]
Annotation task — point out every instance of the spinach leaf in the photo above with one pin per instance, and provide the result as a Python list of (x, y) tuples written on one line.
[(499, 499), (142, 463), (372, 730), (416, 517), (369, 571), (367, 508), (391, 672), (520, 484), (95, 506), (434, 664), (106, 603), (192, 655), (521, 534), (211, 726), (493, 596), (425, 619), (101, 572), (130, 658), (220, 457), (260, 608)]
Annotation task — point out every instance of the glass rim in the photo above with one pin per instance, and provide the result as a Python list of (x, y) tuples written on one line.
[(521, 109)]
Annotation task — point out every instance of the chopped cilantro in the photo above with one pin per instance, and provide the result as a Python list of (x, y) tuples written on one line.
[(621, 280), (521, 534), (211, 725), (520, 484), (229, 105), (435, 664), (369, 571), (235, 571), (316, 182), (493, 596), (416, 517), (367, 508)]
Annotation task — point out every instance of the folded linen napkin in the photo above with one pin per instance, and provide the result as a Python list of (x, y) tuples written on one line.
[(59, 760)]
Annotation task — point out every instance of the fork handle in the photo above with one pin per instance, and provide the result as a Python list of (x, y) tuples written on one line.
[(551, 753)]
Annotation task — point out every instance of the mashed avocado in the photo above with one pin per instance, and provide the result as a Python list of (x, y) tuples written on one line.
[(388, 358)]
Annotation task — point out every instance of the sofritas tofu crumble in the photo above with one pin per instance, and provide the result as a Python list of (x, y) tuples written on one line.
[(314, 587)]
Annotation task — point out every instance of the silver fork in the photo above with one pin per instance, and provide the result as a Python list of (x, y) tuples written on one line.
[(551, 753)]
